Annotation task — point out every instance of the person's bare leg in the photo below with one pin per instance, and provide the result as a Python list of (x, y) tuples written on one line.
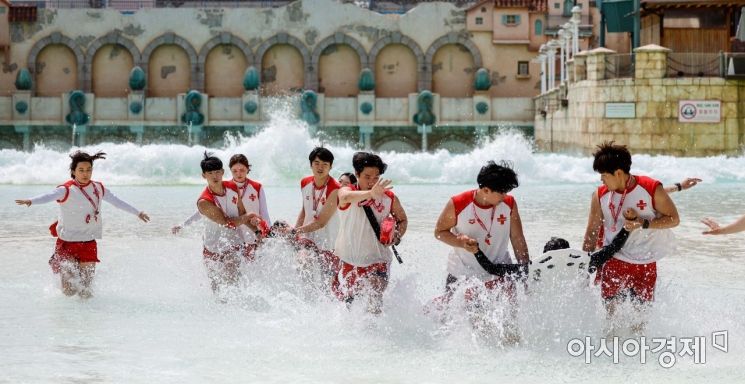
[(378, 284), (87, 271), (69, 278), (610, 317)]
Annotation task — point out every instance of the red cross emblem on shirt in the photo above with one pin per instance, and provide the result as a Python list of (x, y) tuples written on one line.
[(379, 207), (501, 219), (235, 200), (641, 204), (252, 197)]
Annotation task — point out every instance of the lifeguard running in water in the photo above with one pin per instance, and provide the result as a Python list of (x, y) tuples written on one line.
[(79, 223), (252, 195), (221, 204), (365, 260), (632, 272), (480, 224)]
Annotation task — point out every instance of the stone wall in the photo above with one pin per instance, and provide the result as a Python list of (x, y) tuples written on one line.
[(573, 117)]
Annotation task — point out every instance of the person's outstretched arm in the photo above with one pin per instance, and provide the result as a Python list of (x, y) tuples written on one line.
[(56, 194), (112, 199), (715, 229), (688, 182)]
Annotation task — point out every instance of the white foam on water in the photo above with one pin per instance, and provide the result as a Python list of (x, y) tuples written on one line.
[(278, 154)]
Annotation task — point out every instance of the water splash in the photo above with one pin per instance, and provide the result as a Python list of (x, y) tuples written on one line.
[(278, 155)]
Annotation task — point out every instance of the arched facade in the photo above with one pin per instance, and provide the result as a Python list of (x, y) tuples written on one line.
[(110, 39), (398, 38), (223, 69), (291, 41), (147, 64), (323, 46), (76, 75), (450, 38)]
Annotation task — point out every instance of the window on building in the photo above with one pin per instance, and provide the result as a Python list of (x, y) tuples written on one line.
[(523, 68), (568, 5), (538, 27), (557, 5), (483, 9), (479, 20), (510, 19)]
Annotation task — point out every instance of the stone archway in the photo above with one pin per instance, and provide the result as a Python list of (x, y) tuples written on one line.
[(398, 38), (57, 39), (111, 38), (224, 39), (336, 38), (284, 38), (451, 38), (171, 38)]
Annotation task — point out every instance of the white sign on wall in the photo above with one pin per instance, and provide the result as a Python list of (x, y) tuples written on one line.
[(620, 110), (699, 111)]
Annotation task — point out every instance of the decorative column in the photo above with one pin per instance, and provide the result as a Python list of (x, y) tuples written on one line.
[(651, 62), (575, 20), (551, 53), (542, 59), (596, 63), (580, 66), (562, 62)]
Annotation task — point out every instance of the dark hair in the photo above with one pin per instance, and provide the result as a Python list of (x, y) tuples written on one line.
[(362, 160), (82, 157), (210, 163), (555, 243), (238, 159), (351, 176), (497, 177), (610, 157), (322, 154)]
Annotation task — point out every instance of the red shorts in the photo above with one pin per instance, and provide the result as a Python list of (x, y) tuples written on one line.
[(249, 252), (619, 277), (351, 275), (222, 256), (503, 284), (78, 251)]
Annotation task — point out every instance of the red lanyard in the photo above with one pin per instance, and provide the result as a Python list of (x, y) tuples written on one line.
[(614, 214), (87, 196), (242, 190), (481, 223), (317, 200), (217, 201)]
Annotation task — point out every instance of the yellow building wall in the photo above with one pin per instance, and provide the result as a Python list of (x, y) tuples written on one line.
[(169, 71), (453, 71), (510, 32), (56, 71), (339, 71), (282, 70), (110, 73), (486, 13), (501, 61), (224, 69), (395, 71)]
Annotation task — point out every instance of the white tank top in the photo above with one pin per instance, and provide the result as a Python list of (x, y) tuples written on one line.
[(250, 193), (489, 225), (314, 199), (356, 243), (80, 212), (643, 245), (218, 238)]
